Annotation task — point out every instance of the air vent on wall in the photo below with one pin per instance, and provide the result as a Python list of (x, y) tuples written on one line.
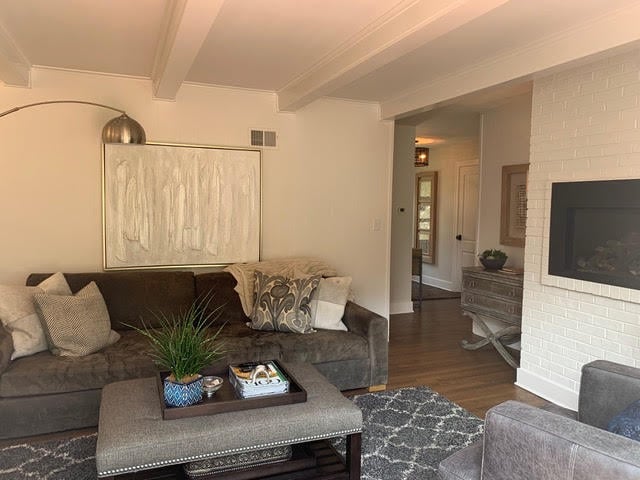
[(263, 138)]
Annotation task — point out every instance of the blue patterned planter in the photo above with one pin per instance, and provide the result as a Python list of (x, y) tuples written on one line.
[(182, 394)]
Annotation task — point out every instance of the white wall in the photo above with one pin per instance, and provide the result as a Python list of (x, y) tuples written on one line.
[(324, 186), (402, 218), (505, 141), (442, 159), (585, 126)]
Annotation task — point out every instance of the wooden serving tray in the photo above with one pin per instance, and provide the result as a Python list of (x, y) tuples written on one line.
[(226, 399)]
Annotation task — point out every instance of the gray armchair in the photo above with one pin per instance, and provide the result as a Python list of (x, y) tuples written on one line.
[(527, 443)]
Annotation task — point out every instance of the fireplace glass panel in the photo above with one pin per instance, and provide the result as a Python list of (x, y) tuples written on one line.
[(606, 241), (595, 232)]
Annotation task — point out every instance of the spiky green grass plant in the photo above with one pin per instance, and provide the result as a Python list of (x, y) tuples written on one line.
[(184, 343)]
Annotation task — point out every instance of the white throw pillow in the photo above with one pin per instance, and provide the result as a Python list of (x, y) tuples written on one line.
[(328, 302), (18, 314)]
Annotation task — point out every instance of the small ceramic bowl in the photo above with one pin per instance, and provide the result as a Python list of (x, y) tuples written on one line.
[(211, 385)]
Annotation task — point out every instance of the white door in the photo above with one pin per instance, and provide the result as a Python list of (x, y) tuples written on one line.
[(467, 181)]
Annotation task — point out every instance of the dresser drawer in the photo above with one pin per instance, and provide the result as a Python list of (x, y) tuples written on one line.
[(491, 306), (484, 285)]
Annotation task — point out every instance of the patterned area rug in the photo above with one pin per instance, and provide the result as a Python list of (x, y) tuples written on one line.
[(430, 293), (407, 432)]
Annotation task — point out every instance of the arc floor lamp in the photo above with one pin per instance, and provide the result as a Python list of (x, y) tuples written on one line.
[(122, 129)]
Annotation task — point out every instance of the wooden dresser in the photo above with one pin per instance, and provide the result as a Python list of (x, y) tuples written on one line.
[(493, 295)]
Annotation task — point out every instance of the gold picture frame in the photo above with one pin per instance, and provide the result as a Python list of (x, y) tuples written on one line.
[(513, 209)]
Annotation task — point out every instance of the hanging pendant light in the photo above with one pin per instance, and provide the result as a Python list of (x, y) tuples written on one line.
[(122, 129)]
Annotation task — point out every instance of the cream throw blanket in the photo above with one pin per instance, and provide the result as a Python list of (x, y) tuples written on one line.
[(244, 273)]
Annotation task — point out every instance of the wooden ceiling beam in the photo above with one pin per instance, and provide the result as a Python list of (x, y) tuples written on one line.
[(584, 42), (186, 26), (411, 24), (15, 68)]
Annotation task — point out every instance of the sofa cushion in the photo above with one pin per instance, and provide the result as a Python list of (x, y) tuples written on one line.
[(130, 296), (220, 286), (75, 325), (282, 303), (44, 373), (18, 314), (244, 344)]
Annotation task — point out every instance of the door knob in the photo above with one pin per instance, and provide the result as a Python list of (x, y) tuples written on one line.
[(458, 237)]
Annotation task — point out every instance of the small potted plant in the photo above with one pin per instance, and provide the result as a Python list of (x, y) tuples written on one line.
[(184, 344), (493, 259)]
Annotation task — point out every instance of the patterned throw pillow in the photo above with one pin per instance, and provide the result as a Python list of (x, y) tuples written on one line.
[(627, 422), (19, 317), (282, 304), (76, 325)]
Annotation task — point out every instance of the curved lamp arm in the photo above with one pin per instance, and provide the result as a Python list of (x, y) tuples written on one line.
[(15, 109), (122, 129)]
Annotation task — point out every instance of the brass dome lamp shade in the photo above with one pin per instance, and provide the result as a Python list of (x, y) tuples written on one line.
[(122, 129)]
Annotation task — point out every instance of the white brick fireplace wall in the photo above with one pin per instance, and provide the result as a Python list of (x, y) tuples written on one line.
[(585, 126)]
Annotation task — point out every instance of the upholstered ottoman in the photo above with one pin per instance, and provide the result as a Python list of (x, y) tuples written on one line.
[(132, 435)]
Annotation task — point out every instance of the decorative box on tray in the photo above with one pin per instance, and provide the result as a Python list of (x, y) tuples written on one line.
[(255, 379), (227, 400)]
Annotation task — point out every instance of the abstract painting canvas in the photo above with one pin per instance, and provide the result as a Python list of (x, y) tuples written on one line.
[(180, 206)]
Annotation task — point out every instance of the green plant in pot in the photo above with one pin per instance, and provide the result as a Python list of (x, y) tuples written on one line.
[(493, 259), (184, 344)]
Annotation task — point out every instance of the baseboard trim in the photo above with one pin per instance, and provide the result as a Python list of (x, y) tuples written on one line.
[(437, 282), (401, 307), (545, 388)]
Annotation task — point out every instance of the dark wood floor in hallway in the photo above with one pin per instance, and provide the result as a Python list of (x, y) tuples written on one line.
[(424, 349)]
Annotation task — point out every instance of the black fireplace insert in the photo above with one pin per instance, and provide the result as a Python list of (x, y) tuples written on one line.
[(595, 232)]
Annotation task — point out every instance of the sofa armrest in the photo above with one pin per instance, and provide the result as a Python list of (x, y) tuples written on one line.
[(606, 389), (375, 329), (522, 442), (6, 348)]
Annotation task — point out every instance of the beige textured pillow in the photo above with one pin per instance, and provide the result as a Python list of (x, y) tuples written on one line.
[(328, 302), (282, 303), (76, 325), (19, 317)]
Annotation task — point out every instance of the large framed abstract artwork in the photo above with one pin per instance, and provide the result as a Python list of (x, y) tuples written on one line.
[(166, 206)]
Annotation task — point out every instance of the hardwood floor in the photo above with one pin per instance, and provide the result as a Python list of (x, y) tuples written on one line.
[(424, 349)]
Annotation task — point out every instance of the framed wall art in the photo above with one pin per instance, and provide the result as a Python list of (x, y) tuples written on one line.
[(513, 212), (167, 206)]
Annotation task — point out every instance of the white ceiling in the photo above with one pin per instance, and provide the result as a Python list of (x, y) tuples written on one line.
[(370, 50)]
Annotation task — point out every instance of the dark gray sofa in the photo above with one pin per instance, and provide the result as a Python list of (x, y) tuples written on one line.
[(44, 393), (522, 442)]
